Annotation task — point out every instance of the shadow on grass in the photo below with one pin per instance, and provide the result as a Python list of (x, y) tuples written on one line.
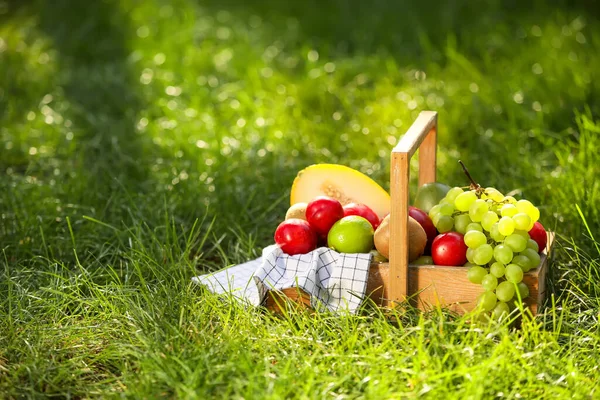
[(91, 40), (95, 77), (96, 162)]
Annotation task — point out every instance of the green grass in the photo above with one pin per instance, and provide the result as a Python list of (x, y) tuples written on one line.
[(145, 142)]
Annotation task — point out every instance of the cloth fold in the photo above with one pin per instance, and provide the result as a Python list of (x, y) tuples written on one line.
[(336, 281)]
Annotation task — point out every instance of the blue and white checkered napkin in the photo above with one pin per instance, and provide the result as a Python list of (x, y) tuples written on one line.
[(335, 280)]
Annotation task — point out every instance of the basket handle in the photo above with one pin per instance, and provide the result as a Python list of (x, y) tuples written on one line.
[(421, 135)]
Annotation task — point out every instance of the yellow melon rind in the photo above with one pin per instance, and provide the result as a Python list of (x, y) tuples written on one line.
[(342, 182)]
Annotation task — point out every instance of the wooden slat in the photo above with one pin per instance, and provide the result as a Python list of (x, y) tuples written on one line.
[(427, 156), (424, 127), (415, 135), (280, 301), (399, 173), (437, 286)]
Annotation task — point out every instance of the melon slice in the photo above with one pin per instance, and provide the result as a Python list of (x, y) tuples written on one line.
[(343, 183)]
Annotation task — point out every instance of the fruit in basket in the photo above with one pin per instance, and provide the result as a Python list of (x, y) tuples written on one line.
[(449, 249), (322, 212), (351, 234), (417, 238), (345, 184), (423, 260), (501, 235), (377, 257), (298, 210), (364, 211), (429, 195), (295, 236), (423, 219), (539, 235)]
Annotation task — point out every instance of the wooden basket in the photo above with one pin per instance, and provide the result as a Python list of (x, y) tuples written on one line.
[(426, 286)]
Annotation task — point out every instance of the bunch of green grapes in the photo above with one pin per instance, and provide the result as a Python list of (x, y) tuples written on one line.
[(500, 251)]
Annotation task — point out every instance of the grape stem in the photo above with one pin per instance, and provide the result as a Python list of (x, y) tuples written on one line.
[(474, 185)]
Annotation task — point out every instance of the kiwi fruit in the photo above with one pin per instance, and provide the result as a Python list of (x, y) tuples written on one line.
[(298, 210), (417, 239)]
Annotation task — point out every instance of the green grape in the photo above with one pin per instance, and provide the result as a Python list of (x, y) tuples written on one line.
[(474, 239), (511, 304), (489, 282), (506, 226), (524, 206), (533, 256), (435, 219), (532, 244), (483, 317), (423, 260), (523, 261), (489, 219), (523, 290), (497, 269), (470, 254), (487, 301), (478, 210), (521, 220), (483, 254), (474, 226), (534, 213), (493, 194), (476, 273), (453, 193), (501, 311), (513, 273), (508, 210), (444, 223), (524, 234), (495, 233), (516, 242), (505, 291), (461, 222), (503, 254), (509, 200), (446, 209), (495, 207), (434, 210), (464, 200)]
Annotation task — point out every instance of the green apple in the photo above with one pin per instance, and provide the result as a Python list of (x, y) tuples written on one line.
[(430, 194)]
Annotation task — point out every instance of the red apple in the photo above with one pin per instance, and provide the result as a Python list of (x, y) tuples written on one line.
[(364, 211), (449, 249), (295, 236), (538, 233), (322, 212), (423, 219)]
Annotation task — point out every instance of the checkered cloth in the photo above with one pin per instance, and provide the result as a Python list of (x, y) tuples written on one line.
[(337, 281)]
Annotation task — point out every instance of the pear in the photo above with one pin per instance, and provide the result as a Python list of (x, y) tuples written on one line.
[(417, 239), (430, 194)]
